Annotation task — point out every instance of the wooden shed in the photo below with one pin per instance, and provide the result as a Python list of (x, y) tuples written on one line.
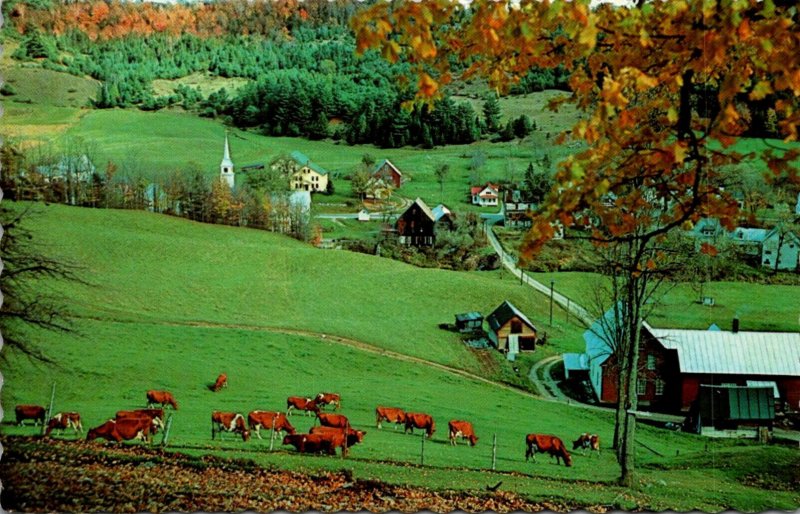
[(510, 330), (469, 321)]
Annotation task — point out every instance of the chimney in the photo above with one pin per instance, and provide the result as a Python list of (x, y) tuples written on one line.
[(735, 328)]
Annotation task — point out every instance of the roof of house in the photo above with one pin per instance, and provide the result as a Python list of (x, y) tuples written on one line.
[(424, 207), (439, 212), (754, 235), (725, 352), (469, 316), (501, 315), (575, 361), (391, 165), (597, 342), (776, 232), (302, 159), (493, 189)]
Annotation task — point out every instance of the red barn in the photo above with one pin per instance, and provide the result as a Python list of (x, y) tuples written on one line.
[(389, 172), (674, 363)]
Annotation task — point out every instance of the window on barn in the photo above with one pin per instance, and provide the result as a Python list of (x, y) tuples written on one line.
[(641, 387), (659, 387), (651, 361), (516, 326)]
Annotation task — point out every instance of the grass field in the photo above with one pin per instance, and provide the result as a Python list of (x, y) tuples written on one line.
[(767, 307), (154, 318)]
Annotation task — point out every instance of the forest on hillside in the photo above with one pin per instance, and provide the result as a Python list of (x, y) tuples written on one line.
[(304, 78)]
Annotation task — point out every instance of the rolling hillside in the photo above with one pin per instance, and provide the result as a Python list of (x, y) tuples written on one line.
[(173, 303)]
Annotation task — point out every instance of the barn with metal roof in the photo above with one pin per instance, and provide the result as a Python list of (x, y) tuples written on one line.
[(676, 362)]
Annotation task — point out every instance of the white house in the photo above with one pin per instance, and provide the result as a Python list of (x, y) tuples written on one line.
[(763, 243), (487, 195), (783, 246)]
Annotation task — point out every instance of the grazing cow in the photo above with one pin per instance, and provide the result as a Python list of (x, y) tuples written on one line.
[(64, 420), (34, 412), (324, 399), (311, 443), (162, 398), (155, 415), (259, 418), (228, 422), (222, 381), (333, 420), (300, 403), (587, 441), (418, 420), (339, 437), (462, 429), (390, 414), (549, 444), (119, 429)]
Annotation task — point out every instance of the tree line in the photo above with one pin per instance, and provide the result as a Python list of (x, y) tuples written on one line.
[(261, 200)]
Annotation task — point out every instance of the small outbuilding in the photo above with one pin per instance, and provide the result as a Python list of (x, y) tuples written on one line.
[(728, 407), (510, 330), (469, 321)]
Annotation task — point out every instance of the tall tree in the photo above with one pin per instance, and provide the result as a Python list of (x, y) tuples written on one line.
[(441, 172), (652, 160), (491, 112)]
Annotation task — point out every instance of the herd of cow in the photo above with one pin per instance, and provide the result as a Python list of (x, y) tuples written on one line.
[(334, 430)]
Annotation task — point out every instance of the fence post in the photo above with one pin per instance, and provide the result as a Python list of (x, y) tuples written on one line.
[(49, 408), (422, 451), (494, 452), (166, 431), (272, 435)]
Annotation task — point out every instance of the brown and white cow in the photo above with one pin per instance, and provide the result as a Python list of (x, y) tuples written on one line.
[(324, 399), (333, 420), (420, 420), (222, 381), (298, 402), (462, 429), (340, 438), (161, 398), (34, 412), (311, 443), (64, 420), (587, 441), (390, 414), (155, 415), (228, 422), (543, 443), (122, 429), (259, 418)]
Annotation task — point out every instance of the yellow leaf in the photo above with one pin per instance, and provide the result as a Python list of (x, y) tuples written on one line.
[(588, 34), (681, 150), (645, 81), (761, 90), (672, 115)]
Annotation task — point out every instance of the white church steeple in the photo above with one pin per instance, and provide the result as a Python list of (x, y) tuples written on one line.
[(226, 166)]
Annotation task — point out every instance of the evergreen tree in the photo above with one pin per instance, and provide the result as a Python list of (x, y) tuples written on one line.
[(491, 112)]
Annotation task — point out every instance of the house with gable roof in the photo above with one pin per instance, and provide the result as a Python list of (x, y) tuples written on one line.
[(675, 363), (307, 175), (510, 330), (763, 245), (387, 171), (486, 195), (418, 224)]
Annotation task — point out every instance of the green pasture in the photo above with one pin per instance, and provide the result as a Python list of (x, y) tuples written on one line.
[(148, 267), (112, 365), (767, 307), (47, 87), (203, 82)]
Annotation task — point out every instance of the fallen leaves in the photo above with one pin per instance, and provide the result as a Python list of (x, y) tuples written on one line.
[(75, 476)]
